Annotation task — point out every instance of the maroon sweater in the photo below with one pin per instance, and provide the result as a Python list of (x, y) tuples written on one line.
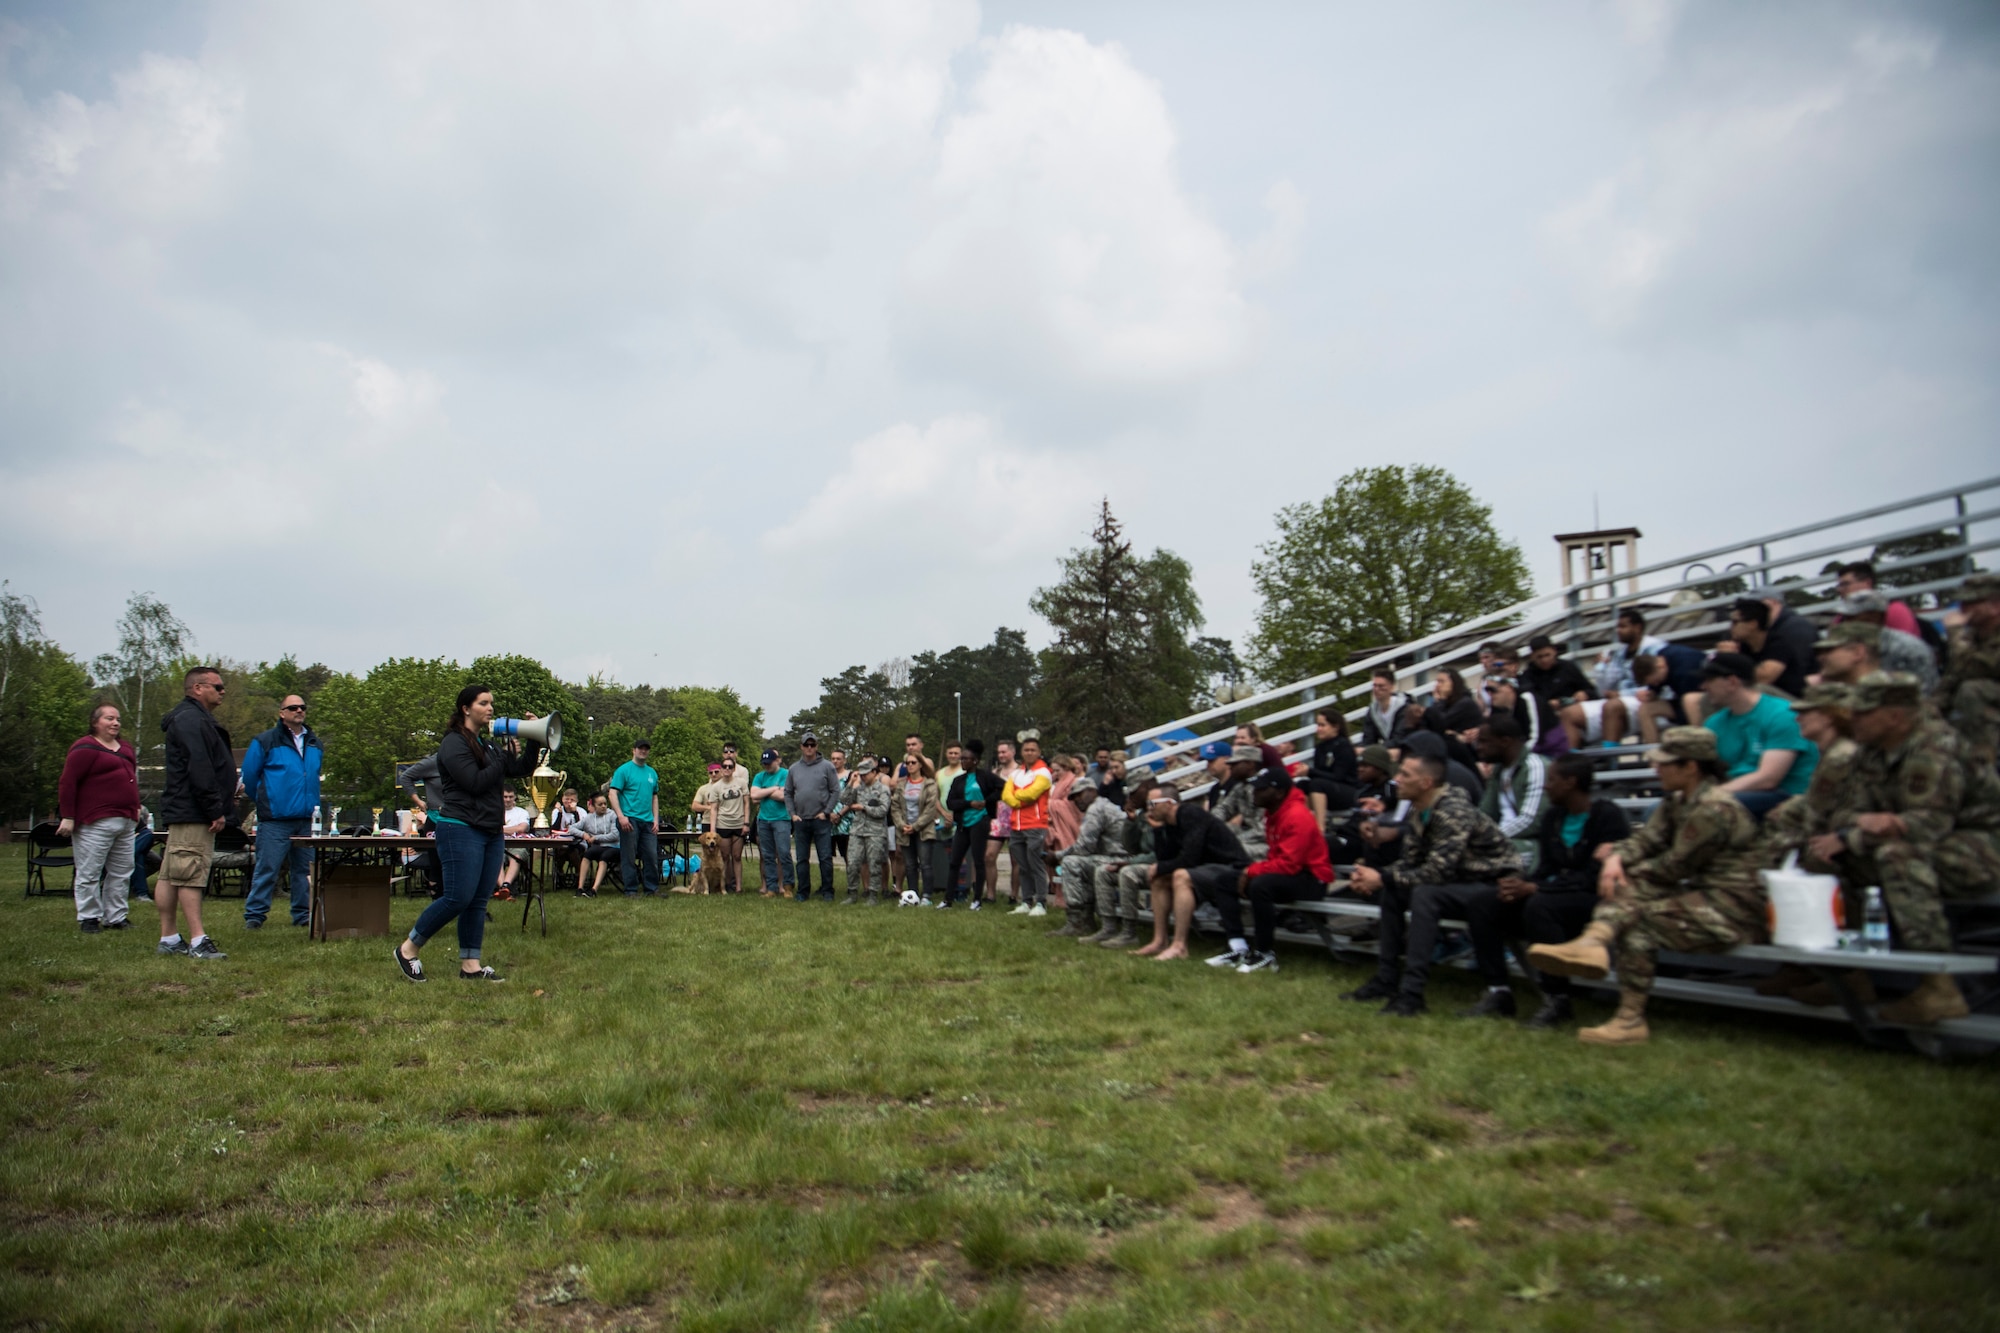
[(98, 783)]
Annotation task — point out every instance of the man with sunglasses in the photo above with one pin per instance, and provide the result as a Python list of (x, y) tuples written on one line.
[(812, 790), (281, 774), (194, 804)]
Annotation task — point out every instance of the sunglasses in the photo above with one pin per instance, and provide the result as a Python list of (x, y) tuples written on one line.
[(292, 708)]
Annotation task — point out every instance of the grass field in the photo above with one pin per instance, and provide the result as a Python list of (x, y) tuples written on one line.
[(738, 1114)]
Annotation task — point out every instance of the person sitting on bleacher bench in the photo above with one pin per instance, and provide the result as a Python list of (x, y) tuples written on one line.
[(1295, 866), (1686, 881), (1198, 854), (1555, 900), (1453, 859), (1926, 828), (1968, 692)]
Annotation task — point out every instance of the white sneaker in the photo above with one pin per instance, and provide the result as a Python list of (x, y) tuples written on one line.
[(1234, 958), (1038, 910), (1020, 909)]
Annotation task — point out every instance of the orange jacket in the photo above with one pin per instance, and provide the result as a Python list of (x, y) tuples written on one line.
[(1027, 795)]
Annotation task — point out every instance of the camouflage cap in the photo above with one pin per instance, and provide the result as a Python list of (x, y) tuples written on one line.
[(1849, 631), (1979, 588), (1865, 603), (1826, 694), (1245, 754), (1377, 756), (1683, 743), (1887, 689)]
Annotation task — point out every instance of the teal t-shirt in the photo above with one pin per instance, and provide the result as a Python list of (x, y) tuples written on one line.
[(636, 784), (1572, 829), (771, 810), (1771, 725)]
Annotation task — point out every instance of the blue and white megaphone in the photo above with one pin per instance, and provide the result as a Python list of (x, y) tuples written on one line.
[(543, 731)]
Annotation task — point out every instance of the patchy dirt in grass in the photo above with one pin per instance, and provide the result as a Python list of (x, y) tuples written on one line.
[(1219, 1208), (171, 987), (1049, 1294), (555, 1301)]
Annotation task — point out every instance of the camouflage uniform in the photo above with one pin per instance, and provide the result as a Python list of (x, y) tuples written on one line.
[(1693, 869), (1949, 801), (1100, 839), (1449, 845), (1237, 805), (1124, 888), (1968, 694), (868, 841)]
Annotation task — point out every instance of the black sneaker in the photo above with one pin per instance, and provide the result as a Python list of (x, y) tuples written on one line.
[(253, 925), (1258, 962), (118, 925), (413, 968), (206, 949), (178, 946), (1234, 958), (1403, 1006), (1372, 989), (1554, 1012), (1493, 1004), (483, 974), (89, 925)]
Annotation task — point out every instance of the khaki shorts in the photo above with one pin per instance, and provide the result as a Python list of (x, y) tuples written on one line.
[(190, 849)]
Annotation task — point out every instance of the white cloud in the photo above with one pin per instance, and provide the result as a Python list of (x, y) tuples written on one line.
[(1061, 243)]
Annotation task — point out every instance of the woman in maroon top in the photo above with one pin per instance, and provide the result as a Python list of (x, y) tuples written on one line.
[(98, 797)]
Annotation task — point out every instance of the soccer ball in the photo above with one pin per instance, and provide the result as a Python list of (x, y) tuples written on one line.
[(909, 898)]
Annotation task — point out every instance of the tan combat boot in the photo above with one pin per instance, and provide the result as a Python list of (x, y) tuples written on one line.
[(1626, 1028), (1821, 993), (1587, 956), (1935, 999)]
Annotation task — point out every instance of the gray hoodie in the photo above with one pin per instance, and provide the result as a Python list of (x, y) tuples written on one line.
[(812, 789)]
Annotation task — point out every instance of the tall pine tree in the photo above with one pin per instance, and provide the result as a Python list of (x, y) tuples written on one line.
[(1123, 655)]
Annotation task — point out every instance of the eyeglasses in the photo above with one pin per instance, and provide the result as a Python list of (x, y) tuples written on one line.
[(292, 708), (811, 745)]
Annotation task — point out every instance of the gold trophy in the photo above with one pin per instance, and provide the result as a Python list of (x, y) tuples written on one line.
[(545, 785)]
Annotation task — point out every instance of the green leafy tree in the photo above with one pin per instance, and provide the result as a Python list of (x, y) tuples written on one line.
[(1950, 567), (681, 750), (151, 640), (722, 711), (45, 701), (995, 686), (397, 712), (1123, 653), (521, 685), (855, 711), (1393, 554)]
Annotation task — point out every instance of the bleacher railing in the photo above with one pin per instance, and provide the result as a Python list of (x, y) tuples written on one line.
[(1582, 616)]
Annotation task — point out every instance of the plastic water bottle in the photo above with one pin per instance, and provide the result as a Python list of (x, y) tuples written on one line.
[(1874, 923), (316, 824)]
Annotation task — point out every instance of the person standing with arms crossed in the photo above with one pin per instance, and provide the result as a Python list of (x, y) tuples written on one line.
[(1027, 795), (201, 780), (469, 842), (281, 774), (635, 795)]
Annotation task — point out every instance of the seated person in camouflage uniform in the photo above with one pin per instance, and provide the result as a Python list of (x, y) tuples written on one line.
[(1826, 718), (1686, 881), (1099, 836), (1893, 649), (1452, 862), (1848, 651), (1925, 827), (1236, 806), (1123, 878), (1968, 693), (868, 837)]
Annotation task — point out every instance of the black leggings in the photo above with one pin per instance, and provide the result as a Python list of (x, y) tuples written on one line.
[(964, 842)]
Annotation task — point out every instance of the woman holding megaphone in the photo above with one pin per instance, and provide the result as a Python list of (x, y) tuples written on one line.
[(469, 842)]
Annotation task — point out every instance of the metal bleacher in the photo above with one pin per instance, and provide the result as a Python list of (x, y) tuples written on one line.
[(1685, 600)]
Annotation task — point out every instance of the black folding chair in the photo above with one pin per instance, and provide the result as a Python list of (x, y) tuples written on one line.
[(47, 850), (232, 865)]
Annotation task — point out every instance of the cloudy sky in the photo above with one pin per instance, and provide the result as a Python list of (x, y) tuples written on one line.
[(737, 342)]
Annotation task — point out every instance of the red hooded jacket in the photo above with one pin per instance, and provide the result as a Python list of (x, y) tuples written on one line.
[(1297, 847)]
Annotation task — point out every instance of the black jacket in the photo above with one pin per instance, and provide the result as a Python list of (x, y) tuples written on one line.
[(1563, 869), (1197, 838), (1333, 761), (1559, 684), (472, 789), (1460, 714), (990, 787), (201, 771)]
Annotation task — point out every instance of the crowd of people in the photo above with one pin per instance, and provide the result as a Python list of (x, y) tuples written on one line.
[(1864, 747)]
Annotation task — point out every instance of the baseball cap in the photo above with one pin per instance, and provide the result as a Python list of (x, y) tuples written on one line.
[(1826, 694), (809, 739), (1864, 603), (1216, 750), (1678, 743), (1849, 631), (1887, 689), (642, 744), (770, 756), (1979, 587), (865, 766), (1245, 754), (1271, 777)]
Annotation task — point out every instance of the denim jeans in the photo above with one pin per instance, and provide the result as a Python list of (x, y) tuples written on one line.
[(924, 865), (103, 868), (774, 853), (639, 856), (275, 856), (470, 861), (142, 842), (808, 836)]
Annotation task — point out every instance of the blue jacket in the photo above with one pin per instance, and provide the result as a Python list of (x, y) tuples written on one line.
[(284, 783)]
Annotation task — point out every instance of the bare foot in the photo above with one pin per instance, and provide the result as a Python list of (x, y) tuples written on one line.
[(1171, 954), (1148, 950)]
